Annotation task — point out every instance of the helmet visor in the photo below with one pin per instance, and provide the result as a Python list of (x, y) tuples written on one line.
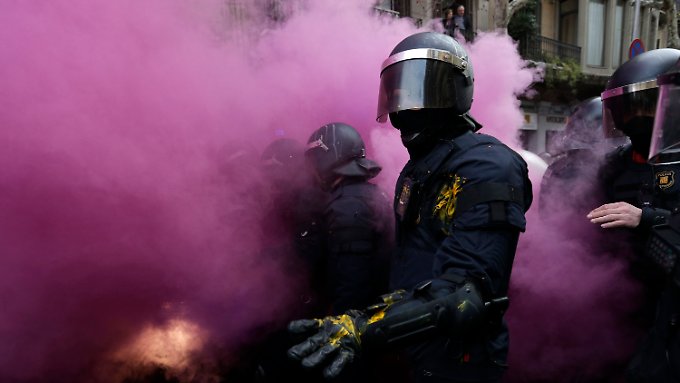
[(619, 109), (415, 84), (665, 148)]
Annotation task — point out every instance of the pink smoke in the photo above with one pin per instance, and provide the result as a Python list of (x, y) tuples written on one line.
[(131, 134), (572, 305)]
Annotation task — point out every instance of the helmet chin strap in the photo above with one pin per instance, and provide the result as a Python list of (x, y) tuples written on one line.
[(406, 139)]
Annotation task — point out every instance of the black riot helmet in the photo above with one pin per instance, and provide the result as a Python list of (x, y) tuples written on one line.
[(281, 161), (584, 126), (629, 99), (282, 153), (665, 148), (336, 150), (426, 82), (584, 129)]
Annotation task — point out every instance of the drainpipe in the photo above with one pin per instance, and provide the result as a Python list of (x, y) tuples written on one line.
[(636, 21)]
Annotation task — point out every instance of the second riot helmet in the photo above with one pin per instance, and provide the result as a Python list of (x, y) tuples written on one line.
[(629, 99), (583, 129), (282, 159), (337, 149)]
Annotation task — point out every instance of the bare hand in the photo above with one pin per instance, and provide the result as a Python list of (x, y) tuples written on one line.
[(617, 214)]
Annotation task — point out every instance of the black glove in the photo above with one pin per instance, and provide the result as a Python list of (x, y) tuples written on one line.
[(337, 341)]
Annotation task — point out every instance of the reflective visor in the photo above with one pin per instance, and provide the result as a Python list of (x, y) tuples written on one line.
[(665, 148), (621, 104), (416, 84)]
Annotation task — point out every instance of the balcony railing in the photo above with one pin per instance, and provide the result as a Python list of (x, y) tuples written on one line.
[(539, 48), (383, 10)]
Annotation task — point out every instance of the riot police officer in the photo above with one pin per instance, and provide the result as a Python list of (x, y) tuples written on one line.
[(357, 238), (565, 182), (658, 358), (459, 204), (569, 184), (357, 234), (638, 195), (329, 226)]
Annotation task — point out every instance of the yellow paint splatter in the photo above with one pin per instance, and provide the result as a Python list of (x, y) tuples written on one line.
[(446, 200)]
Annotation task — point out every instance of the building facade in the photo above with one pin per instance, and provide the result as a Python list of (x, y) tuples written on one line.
[(592, 36)]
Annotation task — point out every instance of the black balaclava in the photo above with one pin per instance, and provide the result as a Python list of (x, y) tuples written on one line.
[(421, 129), (640, 128)]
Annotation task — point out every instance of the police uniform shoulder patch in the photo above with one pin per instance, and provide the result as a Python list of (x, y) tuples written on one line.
[(665, 179)]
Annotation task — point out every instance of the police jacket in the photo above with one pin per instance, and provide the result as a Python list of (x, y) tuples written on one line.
[(654, 189), (358, 236), (626, 176), (460, 209)]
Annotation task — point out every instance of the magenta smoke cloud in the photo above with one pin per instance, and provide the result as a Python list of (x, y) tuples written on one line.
[(129, 232)]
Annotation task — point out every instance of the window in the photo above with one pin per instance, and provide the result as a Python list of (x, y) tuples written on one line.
[(596, 30), (403, 7), (568, 21)]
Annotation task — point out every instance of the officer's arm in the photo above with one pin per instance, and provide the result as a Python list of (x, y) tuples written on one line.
[(450, 307), (446, 307), (486, 223)]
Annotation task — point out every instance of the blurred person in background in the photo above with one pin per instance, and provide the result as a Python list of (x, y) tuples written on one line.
[(569, 183)]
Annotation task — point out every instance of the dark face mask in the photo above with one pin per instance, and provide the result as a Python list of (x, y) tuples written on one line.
[(639, 129), (421, 128), (415, 129)]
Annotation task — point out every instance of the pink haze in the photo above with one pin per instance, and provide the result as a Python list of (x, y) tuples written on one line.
[(129, 145)]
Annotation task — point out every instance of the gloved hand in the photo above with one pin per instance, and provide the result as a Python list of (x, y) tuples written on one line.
[(337, 341)]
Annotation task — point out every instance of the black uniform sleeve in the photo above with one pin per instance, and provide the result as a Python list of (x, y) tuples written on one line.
[(653, 216), (495, 192)]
